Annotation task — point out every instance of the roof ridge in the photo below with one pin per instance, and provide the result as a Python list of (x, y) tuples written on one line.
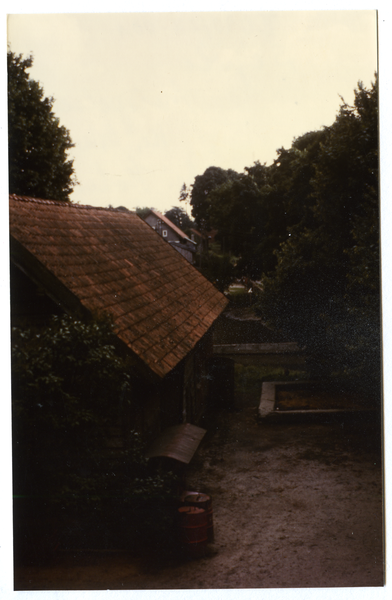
[(170, 224), (68, 203)]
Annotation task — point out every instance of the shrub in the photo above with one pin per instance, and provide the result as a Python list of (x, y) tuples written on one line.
[(218, 269), (71, 386)]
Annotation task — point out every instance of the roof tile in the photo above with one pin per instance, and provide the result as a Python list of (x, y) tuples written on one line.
[(114, 262)]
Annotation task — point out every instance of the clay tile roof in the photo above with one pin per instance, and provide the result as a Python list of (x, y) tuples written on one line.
[(113, 261), (170, 224)]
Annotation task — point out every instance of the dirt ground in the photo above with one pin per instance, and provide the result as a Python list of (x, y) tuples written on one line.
[(294, 505)]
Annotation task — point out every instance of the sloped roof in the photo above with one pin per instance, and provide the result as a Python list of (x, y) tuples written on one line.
[(171, 225), (113, 261), (196, 232)]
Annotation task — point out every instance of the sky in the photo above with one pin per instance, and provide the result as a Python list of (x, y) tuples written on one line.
[(152, 100)]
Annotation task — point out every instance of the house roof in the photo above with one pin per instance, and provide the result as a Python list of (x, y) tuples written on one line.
[(196, 232), (112, 261), (171, 225), (207, 234)]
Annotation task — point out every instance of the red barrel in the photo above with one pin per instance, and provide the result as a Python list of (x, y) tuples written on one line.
[(201, 501), (192, 530), (187, 493)]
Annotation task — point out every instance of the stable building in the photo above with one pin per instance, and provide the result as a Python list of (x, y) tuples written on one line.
[(84, 260)]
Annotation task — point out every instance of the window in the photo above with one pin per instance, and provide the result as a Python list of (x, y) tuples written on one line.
[(164, 233)]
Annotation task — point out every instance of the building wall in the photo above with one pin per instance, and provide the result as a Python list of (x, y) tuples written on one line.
[(182, 396), (196, 377), (171, 236), (184, 252), (164, 231), (30, 305)]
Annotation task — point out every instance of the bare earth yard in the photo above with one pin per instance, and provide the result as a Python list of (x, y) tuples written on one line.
[(295, 505)]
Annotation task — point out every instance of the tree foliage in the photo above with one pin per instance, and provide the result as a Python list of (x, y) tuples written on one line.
[(308, 226), (39, 165), (255, 212), (218, 269), (236, 211), (72, 388), (68, 385), (200, 190), (325, 291), (142, 211), (179, 217), (184, 193)]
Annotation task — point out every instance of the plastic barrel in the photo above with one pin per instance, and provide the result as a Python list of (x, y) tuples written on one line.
[(192, 531)]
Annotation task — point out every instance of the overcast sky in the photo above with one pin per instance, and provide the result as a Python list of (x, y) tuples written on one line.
[(152, 100)]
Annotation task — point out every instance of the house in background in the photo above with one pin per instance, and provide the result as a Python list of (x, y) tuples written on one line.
[(203, 240), (199, 239), (172, 234), (83, 260)]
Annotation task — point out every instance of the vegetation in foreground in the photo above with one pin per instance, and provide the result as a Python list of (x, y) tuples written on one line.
[(71, 389)]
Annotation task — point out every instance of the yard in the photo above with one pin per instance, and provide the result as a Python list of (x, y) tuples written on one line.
[(294, 505)]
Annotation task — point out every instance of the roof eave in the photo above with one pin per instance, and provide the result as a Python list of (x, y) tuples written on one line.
[(40, 275)]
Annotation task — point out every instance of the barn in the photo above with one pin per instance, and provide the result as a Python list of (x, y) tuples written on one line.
[(84, 260)]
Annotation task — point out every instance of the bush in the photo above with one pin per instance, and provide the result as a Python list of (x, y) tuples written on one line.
[(218, 269), (68, 384), (71, 387)]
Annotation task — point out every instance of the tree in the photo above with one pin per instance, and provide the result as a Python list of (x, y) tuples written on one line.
[(325, 291), (179, 217), (201, 188), (39, 165), (142, 211), (218, 269), (236, 211), (256, 211), (184, 193)]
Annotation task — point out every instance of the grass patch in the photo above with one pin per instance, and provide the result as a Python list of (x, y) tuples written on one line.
[(239, 297), (236, 290), (248, 379)]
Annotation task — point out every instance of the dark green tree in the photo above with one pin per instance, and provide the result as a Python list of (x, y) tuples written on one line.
[(39, 165), (142, 211), (236, 210), (179, 217), (325, 291), (184, 193), (218, 269), (256, 212), (290, 180), (200, 190)]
